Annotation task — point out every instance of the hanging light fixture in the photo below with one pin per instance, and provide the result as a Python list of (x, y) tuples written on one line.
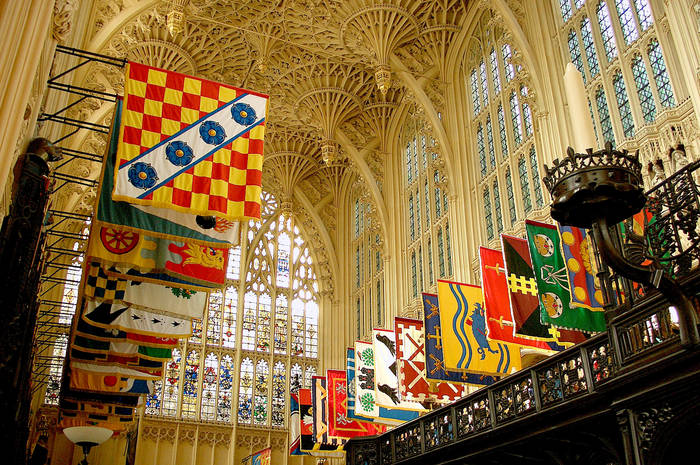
[(87, 437)]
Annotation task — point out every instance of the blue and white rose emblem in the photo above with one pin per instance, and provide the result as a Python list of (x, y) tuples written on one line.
[(212, 132), (142, 175), (243, 114), (179, 153)]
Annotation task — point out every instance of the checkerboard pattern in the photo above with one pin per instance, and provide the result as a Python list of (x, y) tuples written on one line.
[(99, 286), (160, 103)]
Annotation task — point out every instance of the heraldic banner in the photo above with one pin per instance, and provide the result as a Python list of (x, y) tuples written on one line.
[(190, 144), (466, 342)]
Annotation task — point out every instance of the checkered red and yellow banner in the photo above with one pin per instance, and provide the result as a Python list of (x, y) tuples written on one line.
[(190, 144)]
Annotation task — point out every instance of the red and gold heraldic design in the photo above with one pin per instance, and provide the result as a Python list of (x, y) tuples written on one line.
[(339, 425), (410, 359)]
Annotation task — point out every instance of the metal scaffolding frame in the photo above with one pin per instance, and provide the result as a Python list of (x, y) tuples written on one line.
[(64, 246)]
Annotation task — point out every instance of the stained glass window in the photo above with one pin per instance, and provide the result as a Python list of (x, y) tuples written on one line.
[(579, 3), (263, 334), (489, 138), (527, 119), (209, 382), (234, 263), (420, 268), (248, 342), (482, 149), (189, 385), (379, 303), (476, 103), (515, 116), (606, 31), (312, 329), (53, 385), (214, 317), (431, 274), (495, 76), (154, 398), (646, 98), (196, 331), (411, 218), (487, 214), (658, 66), (260, 389), (228, 335), (539, 200), (589, 47), (441, 254), (308, 375), (438, 208), (279, 395), (245, 392), (502, 130), (358, 318), (524, 185), (295, 378), (418, 221), (497, 206), (427, 210), (409, 173), (223, 406), (623, 105), (449, 249), (283, 249), (629, 28), (171, 384), (604, 116), (281, 310)]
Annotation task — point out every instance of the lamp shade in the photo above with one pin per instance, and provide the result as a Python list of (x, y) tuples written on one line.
[(93, 435)]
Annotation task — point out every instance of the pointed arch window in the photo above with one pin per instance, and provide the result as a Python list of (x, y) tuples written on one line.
[(646, 98), (511, 197), (489, 138), (216, 299), (228, 335), (414, 275), (281, 315), (476, 103), (449, 249), (427, 211), (441, 254), (418, 220), (515, 117), (646, 19), (409, 172), (484, 84), (658, 66), (575, 52), (279, 395), (438, 207), (566, 10), (153, 400), (431, 275), (502, 130), (171, 388), (508, 66), (245, 392), (411, 219)]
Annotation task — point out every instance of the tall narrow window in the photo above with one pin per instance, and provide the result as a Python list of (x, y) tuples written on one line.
[(153, 400), (629, 28), (539, 200), (409, 172), (438, 207), (281, 315), (209, 382), (431, 274), (524, 185), (482, 149), (507, 65), (589, 47), (214, 321), (228, 335), (604, 116), (623, 105), (295, 378), (234, 263), (427, 210), (497, 206), (502, 130), (279, 395), (411, 220), (196, 337), (511, 197), (515, 116), (260, 390), (248, 342), (414, 275), (420, 268), (223, 406), (312, 329), (489, 138), (263, 336), (476, 103), (449, 249), (658, 66), (606, 31), (495, 76), (189, 385), (487, 214), (646, 98), (575, 52), (418, 221), (646, 20), (484, 84), (565, 9), (245, 392), (441, 254), (358, 318), (171, 389)]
